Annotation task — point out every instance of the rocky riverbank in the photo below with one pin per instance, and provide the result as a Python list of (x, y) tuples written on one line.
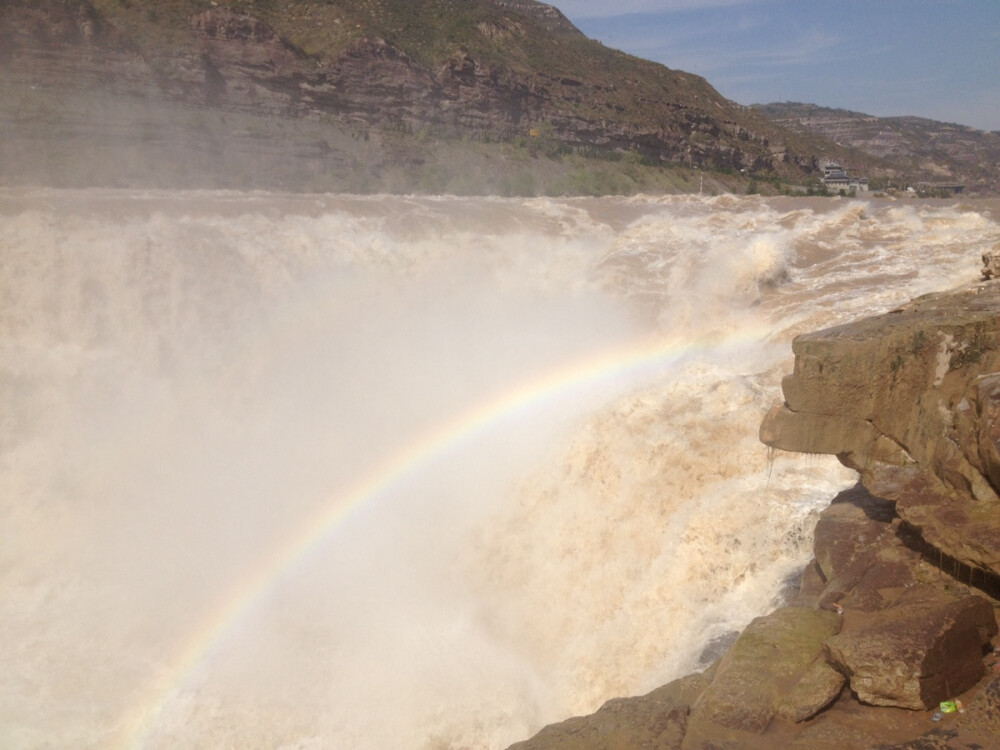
[(894, 623)]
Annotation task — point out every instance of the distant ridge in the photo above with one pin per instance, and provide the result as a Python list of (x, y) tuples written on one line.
[(914, 149), (547, 16)]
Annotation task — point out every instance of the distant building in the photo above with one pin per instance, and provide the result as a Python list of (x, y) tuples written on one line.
[(941, 188), (835, 178)]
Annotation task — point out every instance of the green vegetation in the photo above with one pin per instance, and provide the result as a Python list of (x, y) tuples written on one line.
[(971, 351), (163, 26)]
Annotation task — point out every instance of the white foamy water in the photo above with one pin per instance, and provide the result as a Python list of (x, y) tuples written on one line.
[(387, 472)]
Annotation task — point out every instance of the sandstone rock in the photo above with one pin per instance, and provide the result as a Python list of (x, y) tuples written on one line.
[(988, 424), (924, 649), (864, 390), (812, 584), (657, 719), (958, 528), (977, 729), (762, 669), (818, 688), (914, 638), (983, 712), (852, 524), (855, 440), (925, 378), (874, 581), (861, 561)]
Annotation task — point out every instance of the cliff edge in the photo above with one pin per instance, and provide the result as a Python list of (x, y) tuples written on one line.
[(911, 401), (889, 642)]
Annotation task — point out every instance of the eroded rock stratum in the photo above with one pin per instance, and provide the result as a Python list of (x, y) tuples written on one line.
[(911, 400)]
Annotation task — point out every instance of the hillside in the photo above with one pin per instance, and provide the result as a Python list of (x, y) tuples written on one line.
[(432, 95), (915, 150)]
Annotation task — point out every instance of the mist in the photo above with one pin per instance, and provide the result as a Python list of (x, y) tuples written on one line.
[(387, 472), (194, 390)]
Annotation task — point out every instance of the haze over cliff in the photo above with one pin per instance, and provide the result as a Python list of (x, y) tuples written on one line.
[(437, 95)]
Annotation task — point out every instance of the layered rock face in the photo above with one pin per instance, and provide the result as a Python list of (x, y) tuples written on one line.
[(897, 611), (233, 83), (910, 400)]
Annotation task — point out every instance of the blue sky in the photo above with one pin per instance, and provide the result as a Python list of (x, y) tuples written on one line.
[(932, 58)]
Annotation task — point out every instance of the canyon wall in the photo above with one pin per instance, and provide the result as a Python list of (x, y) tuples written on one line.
[(315, 96)]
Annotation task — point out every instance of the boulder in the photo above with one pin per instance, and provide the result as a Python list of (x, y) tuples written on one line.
[(861, 563), (991, 263), (873, 581), (850, 526), (926, 648), (764, 668)]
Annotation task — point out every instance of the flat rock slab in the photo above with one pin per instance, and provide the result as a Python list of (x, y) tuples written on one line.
[(911, 400), (926, 648), (977, 729)]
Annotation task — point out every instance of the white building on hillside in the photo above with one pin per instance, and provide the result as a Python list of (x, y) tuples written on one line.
[(835, 178)]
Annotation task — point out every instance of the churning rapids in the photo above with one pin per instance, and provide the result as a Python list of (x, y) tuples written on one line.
[(392, 472)]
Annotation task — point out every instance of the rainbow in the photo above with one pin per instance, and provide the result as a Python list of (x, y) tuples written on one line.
[(621, 366)]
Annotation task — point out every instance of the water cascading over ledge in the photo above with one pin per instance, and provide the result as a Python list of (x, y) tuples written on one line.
[(896, 613), (388, 472)]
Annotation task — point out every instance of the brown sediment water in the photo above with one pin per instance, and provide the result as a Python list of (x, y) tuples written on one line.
[(337, 471)]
